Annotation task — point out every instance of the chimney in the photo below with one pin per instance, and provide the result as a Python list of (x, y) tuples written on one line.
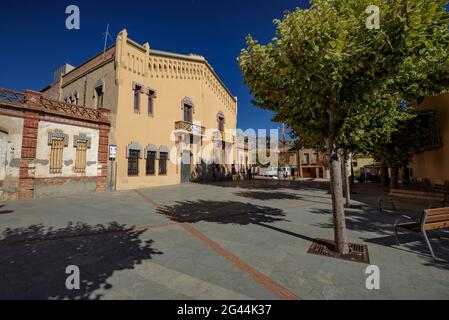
[(64, 69)]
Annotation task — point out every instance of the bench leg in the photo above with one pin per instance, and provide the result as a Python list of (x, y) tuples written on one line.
[(428, 244), (396, 235)]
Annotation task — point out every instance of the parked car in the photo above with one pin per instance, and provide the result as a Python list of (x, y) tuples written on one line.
[(285, 172), (373, 177), (269, 172)]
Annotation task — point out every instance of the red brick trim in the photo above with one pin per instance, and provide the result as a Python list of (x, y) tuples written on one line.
[(103, 153), (29, 145), (271, 285)]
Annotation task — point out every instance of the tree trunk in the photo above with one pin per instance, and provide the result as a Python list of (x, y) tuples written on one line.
[(394, 178), (340, 234), (352, 174), (346, 184), (386, 177)]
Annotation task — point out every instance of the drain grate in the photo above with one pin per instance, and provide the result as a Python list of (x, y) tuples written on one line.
[(326, 248)]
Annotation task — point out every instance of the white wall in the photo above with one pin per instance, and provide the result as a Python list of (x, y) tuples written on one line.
[(69, 154)]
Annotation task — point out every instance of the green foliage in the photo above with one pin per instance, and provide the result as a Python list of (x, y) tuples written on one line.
[(397, 151), (329, 77)]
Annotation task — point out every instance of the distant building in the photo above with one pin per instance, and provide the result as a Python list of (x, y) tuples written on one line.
[(306, 163), (364, 163), (431, 163)]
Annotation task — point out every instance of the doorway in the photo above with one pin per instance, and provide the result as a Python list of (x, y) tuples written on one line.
[(186, 166)]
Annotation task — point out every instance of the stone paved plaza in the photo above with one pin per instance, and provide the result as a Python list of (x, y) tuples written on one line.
[(222, 241)]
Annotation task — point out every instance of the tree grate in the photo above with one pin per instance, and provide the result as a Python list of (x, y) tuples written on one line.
[(327, 248)]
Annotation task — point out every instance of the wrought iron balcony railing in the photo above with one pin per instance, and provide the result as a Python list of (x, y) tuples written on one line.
[(223, 136), (190, 127)]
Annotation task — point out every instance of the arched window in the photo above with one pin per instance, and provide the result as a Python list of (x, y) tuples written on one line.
[(57, 140), (188, 109), (99, 93), (221, 120), (152, 95), (150, 155), (133, 153), (163, 156)]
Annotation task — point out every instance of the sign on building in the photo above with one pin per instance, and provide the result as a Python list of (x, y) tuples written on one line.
[(112, 151)]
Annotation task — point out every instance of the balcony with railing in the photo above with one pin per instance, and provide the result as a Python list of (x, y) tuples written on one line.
[(190, 128), (224, 137), (35, 101)]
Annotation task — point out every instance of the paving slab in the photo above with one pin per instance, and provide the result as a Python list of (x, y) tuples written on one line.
[(244, 241)]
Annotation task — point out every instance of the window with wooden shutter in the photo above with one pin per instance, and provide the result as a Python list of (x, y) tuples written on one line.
[(81, 152), (133, 162), (56, 154)]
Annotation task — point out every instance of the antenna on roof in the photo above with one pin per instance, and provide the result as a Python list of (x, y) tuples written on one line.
[(106, 36)]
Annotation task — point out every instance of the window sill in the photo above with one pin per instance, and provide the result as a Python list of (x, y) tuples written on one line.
[(151, 174), (163, 174)]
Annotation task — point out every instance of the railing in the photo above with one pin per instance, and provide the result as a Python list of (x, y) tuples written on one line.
[(190, 127), (223, 136), (63, 108), (229, 138), (11, 96), (20, 99)]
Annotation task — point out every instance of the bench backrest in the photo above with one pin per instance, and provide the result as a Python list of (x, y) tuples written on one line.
[(434, 219)]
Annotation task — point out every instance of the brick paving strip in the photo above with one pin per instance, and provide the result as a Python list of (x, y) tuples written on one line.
[(268, 283)]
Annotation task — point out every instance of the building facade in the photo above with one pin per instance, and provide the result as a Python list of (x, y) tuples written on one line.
[(432, 163), (50, 148), (306, 163), (170, 113)]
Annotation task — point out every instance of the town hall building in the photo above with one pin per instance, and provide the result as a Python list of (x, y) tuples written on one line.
[(164, 108)]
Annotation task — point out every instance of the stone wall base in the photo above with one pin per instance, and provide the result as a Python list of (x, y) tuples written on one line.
[(63, 186)]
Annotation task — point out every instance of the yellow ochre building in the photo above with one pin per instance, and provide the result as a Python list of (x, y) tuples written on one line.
[(164, 107)]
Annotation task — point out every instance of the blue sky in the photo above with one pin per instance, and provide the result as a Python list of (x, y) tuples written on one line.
[(35, 41)]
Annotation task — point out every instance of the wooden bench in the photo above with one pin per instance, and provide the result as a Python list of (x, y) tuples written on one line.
[(431, 219), (427, 200)]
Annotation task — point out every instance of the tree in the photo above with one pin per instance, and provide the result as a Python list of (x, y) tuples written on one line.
[(328, 76), (410, 136)]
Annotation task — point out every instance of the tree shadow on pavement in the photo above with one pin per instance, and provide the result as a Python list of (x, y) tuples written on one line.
[(277, 195), (256, 184), (378, 229), (223, 212), (33, 260), (359, 220), (268, 195), (229, 212)]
